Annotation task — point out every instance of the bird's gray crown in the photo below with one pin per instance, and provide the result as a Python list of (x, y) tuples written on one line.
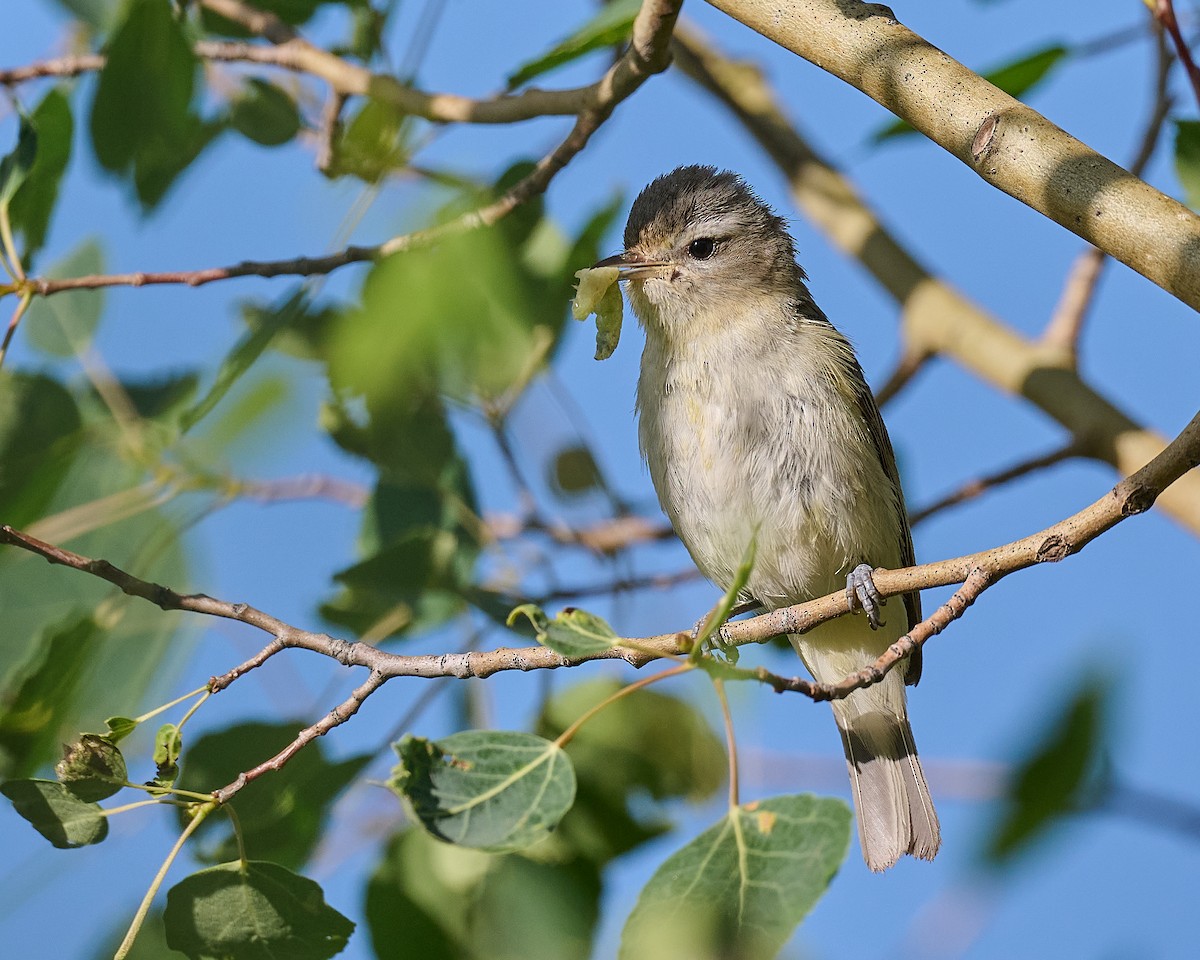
[(693, 195)]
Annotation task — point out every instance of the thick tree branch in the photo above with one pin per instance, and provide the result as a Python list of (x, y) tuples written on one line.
[(1010, 146), (977, 571), (935, 317)]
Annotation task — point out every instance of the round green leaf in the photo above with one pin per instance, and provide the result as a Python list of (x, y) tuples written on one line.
[(741, 887), (488, 789), (56, 813), (253, 911), (265, 114)]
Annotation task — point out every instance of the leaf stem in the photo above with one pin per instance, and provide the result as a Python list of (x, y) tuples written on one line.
[(565, 737), (22, 306), (144, 908), (12, 258), (730, 741), (167, 706)]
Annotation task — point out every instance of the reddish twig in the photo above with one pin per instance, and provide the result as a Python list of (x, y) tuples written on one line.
[(1164, 13)]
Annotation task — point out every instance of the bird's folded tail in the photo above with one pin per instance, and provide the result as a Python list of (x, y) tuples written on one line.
[(895, 812)]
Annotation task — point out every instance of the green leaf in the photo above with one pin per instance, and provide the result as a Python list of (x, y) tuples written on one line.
[(1060, 775), (721, 613), (252, 911), (282, 815), (620, 761), (573, 632), (1016, 79), (452, 318), (142, 123), (64, 324), (33, 203), (99, 15), (1187, 159), (56, 813), (247, 350), (265, 114), (92, 767), (741, 887), (610, 26), (435, 901), (168, 745), (162, 395), (575, 472), (487, 789), (15, 167), (119, 728), (35, 691), (372, 144)]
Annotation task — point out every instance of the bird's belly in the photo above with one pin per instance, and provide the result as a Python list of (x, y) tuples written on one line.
[(727, 478)]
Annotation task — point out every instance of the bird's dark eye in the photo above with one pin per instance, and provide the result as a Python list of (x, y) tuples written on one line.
[(702, 248)]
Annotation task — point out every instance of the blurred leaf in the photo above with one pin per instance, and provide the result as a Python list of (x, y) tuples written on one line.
[(151, 942), (92, 767), (526, 910), (453, 318), (573, 632), (56, 813), (281, 816), (64, 324), (372, 144), (1016, 79), (306, 331), (575, 471), (1059, 776), (419, 898), (34, 692), (492, 790), (162, 395), (247, 350), (33, 203), (1187, 159), (645, 744), (265, 114), (15, 166), (610, 26), (99, 15), (142, 122), (741, 888), (436, 901), (252, 911)]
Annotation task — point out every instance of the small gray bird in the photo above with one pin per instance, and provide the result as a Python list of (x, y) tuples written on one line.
[(756, 421)]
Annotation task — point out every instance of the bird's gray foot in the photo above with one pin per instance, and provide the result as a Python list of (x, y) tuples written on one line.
[(862, 594)]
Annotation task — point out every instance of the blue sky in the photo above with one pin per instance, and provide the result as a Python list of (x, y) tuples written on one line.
[(1102, 886)]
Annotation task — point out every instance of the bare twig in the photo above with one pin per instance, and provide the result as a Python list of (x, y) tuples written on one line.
[(647, 55), (974, 488), (976, 571), (908, 366), (337, 716), (605, 536), (1164, 13), (1065, 327)]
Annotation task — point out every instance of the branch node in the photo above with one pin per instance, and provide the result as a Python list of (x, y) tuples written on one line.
[(1053, 549), (984, 136)]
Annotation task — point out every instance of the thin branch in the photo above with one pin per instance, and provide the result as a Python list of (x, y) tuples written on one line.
[(1065, 327), (911, 361), (337, 716), (977, 571), (606, 536), (935, 316), (980, 485), (1164, 13), (647, 55)]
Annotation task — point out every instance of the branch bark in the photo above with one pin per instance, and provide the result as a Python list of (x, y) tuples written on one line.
[(978, 571), (1010, 146), (935, 317)]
